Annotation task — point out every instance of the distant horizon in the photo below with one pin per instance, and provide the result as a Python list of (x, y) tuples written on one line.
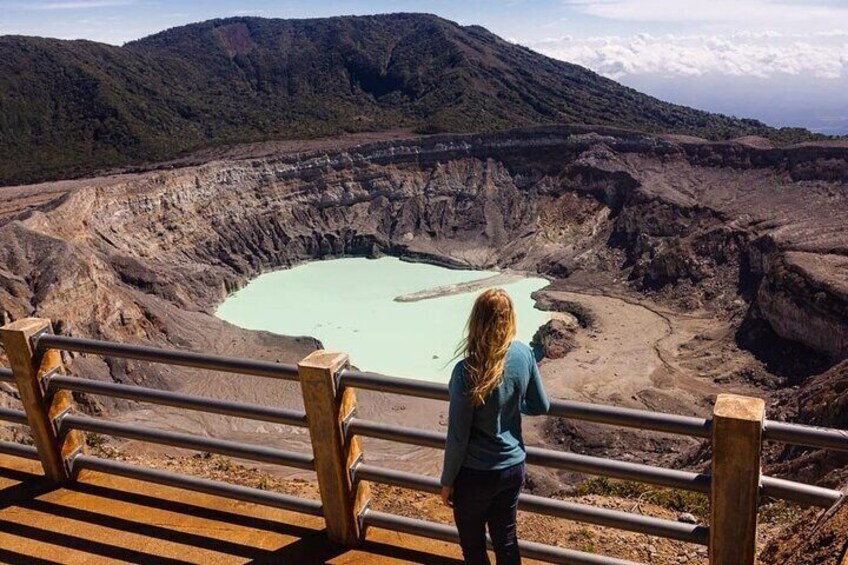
[(783, 62)]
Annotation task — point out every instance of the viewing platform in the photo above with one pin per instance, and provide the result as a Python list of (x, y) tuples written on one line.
[(86, 503), (109, 519)]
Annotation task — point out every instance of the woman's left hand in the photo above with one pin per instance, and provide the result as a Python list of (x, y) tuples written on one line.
[(447, 496)]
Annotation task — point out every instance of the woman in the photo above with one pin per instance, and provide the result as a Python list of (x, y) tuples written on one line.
[(494, 384)]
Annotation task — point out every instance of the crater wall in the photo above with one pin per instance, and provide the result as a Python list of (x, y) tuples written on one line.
[(723, 226)]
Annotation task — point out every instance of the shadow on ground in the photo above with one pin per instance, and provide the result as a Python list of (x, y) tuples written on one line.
[(41, 525)]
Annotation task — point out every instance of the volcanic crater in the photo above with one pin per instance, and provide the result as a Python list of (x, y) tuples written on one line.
[(679, 268)]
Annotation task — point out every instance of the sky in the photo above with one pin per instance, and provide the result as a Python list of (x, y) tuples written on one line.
[(782, 61)]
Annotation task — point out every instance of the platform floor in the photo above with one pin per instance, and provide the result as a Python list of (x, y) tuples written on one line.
[(107, 519)]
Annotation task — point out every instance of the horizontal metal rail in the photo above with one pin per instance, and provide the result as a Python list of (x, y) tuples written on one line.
[(612, 415), (669, 529), (197, 484), (690, 533), (6, 375), (443, 532), (168, 356), (799, 492), (566, 461), (379, 430), (168, 398), (14, 416), (631, 418), (393, 385), (810, 436), (18, 450), (188, 441), (671, 478), (775, 488), (393, 477)]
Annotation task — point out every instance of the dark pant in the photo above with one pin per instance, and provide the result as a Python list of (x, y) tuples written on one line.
[(488, 497)]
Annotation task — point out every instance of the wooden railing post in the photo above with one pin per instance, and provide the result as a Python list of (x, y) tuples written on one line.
[(29, 368), (737, 444), (326, 410)]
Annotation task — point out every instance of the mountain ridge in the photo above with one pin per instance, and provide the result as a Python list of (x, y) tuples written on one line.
[(68, 108)]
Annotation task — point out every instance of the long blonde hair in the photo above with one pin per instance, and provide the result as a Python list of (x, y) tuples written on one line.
[(490, 331)]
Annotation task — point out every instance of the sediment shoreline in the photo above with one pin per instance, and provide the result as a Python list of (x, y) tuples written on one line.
[(506, 277)]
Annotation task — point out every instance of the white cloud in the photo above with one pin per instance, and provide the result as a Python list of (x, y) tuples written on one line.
[(715, 11), (81, 4), (752, 54)]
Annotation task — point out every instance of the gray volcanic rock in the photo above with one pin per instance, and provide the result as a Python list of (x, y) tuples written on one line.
[(555, 339), (748, 233), (727, 226), (804, 297), (812, 540), (821, 401)]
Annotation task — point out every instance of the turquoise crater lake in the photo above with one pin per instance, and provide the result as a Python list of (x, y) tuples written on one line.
[(349, 304)]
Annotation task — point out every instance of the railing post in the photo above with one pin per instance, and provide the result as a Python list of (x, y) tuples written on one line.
[(326, 411), (29, 368), (737, 428)]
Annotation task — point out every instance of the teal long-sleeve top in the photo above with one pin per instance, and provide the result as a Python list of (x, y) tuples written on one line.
[(488, 437)]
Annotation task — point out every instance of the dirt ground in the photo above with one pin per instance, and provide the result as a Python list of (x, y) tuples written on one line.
[(634, 353)]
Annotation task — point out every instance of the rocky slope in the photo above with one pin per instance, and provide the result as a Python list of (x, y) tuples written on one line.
[(822, 544), (747, 235), (720, 225), (738, 230)]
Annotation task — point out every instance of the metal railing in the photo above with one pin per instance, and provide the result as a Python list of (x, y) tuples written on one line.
[(13, 416), (809, 436), (613, 415), (197, 484), (18, 450), (235, 449), (532, 550), (64, 423), (610, 415), (342, 380), (177, 400), (6, 375), (561, 460), (638, 523), (45, 341), (18, 417), (772, 487)]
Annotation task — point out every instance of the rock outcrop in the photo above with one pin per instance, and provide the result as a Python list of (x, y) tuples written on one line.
[(555, 339), (752, 234), (729, 227), (812, 541)]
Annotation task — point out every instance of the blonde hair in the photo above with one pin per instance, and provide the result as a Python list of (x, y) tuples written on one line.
[(490, 331)]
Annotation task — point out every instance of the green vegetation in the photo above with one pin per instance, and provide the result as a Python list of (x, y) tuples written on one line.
[(70, 107), (780, 512), (95, 441), (587, 540), (695, 503)]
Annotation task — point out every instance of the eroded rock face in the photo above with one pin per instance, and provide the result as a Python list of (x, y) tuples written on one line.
[(821, 401), (711, 224), (804, 297), (555, 339), (752, 234), (824, 399), (812, 541)]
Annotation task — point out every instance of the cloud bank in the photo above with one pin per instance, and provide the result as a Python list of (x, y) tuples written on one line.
[(823, 55), (80, 5), (781, 78), (756, 12)]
